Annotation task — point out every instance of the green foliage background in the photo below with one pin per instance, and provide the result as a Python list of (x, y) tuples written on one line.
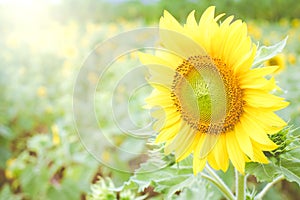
[(42, 47)]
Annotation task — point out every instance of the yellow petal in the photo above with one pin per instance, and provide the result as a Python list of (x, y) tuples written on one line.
[(219, 16), (243, 65), (168, 133), (169, 22), (259, 98), (173, 59), (148, 59), (161, 71), (212, 161), (174, 38), (241, 48), (160, 76), (198, 164), (191, 21), (207, 16), (266, 117), (260, 83), (182, 140), (166, 121), (264, 147), (243, 140), (232, 41), (259, 156), (159, 98), (225, 24), (220, 153), (207, 27), (235, 153), (183, 143), (255, 131), (268, 125), (230, 30), (257, 72), (191, 147), (209, 143)]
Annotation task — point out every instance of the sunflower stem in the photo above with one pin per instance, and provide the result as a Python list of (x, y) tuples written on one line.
[(240, 186), (217, 181), (262, 193)]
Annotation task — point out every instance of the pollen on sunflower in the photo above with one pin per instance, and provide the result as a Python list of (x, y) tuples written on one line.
[(211, 103)]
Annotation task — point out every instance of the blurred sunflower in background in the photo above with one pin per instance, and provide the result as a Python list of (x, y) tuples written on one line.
[(292, 59), (207, 100), (278, 60)]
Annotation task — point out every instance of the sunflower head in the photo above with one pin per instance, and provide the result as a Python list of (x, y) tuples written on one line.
[(278, 60), (207, 99)]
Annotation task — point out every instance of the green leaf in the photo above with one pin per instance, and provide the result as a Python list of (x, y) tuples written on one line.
[(166, 180), (172, 184), (5, 132), (263, 172), (194, 191), (265, 53), (179, 186), (6, 194), (171, 179), (289, 165), (151, 173)]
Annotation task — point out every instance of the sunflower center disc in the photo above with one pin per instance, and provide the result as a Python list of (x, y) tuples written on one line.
[(207, 95)]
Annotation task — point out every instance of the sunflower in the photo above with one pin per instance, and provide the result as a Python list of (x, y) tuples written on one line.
[(207, 99), (278, 60)]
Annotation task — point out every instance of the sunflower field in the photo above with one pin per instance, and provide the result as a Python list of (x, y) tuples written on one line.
[(137, 99)]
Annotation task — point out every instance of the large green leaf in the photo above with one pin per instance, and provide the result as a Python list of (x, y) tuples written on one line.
[(263, 172), (173, 178), (290, 165), (265, 53), (194, 192), (152, 173)]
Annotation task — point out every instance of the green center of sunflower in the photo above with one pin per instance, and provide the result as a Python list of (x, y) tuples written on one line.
[(207, 95)]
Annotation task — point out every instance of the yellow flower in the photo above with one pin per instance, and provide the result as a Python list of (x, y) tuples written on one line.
[(49, 110), (295, 23), (55, 135), (292, 59), (254, 30), (69, 51), (278, 60), (106, 155), (283, 22), (92, 28), (41, 91), (207, 100), (8, 172)]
